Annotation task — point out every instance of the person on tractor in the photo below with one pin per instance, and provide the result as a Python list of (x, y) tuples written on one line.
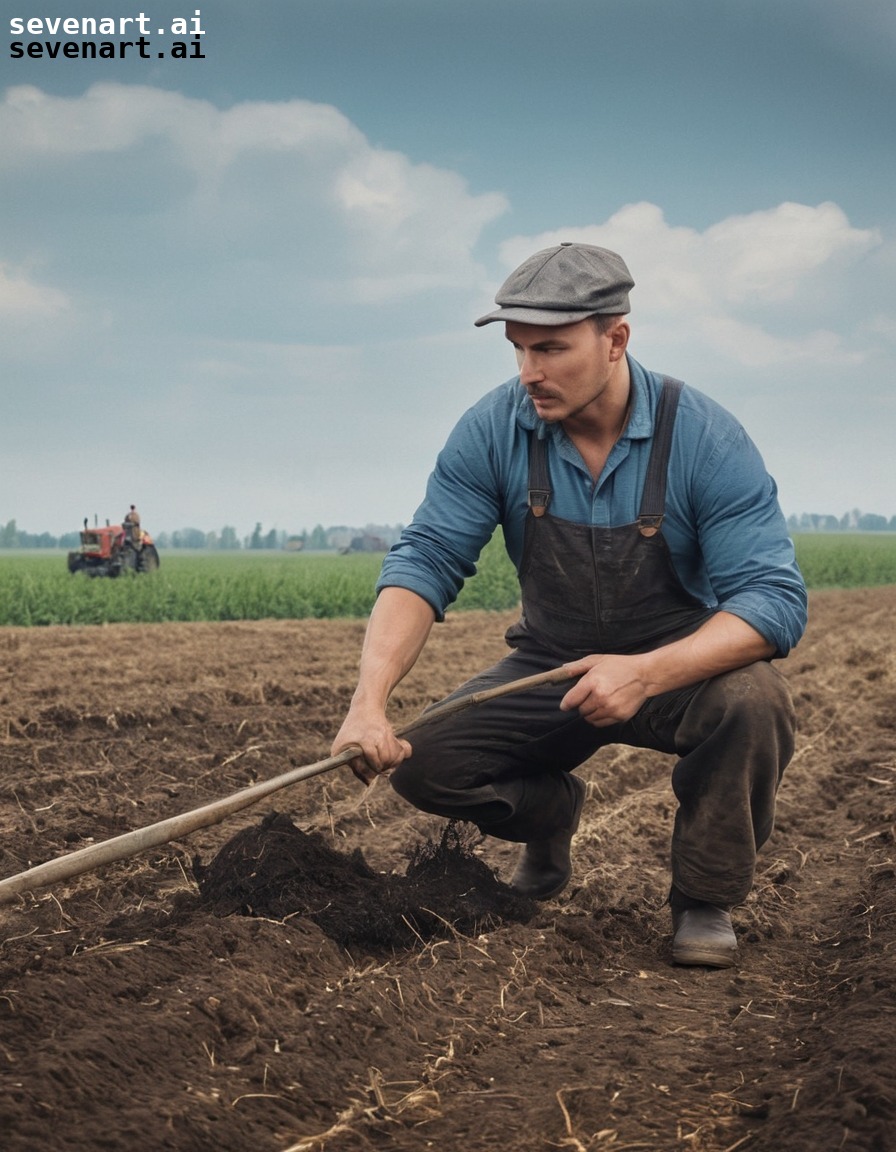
[(131, 524)]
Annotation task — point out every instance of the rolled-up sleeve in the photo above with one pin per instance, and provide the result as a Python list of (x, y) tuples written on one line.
[(439, 549), (747, 552)]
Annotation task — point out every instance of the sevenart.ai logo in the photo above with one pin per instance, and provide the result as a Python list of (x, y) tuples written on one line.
[(106, 37)]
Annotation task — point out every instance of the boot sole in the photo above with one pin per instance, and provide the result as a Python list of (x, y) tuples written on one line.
[(704, 958)]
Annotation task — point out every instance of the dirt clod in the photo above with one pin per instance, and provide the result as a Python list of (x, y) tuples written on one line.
[(278, 871)]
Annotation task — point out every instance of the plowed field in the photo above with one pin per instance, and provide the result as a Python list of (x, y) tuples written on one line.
[(377, 1011)]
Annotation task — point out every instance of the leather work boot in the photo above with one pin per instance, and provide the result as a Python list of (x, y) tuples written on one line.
[(703, 935), (544, 868)]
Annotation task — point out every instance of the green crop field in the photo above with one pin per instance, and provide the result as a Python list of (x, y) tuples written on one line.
[(850, 560), (36, 588)]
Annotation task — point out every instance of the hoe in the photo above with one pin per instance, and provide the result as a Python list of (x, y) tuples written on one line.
[(175, 827)]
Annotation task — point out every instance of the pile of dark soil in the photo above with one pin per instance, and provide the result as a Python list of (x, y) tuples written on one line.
[(277, 871)]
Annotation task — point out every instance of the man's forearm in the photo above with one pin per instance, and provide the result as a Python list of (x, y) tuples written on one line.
[(398, 628), (723, 643), (613, 688)]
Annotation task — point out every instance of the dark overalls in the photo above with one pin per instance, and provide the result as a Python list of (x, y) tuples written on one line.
[(504, 764)]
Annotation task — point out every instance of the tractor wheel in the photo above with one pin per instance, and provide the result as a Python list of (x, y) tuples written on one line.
[(147, 558), (75, 562)]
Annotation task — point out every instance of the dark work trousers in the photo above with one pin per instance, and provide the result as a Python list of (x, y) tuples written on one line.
[(504, 765)]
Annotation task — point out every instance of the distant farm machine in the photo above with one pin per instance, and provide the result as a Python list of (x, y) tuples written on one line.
[(113, 549)]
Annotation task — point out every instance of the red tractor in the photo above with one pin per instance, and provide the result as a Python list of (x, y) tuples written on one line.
[(114, 549)]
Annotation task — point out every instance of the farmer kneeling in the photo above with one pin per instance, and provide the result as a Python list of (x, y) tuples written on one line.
[(653, 561)]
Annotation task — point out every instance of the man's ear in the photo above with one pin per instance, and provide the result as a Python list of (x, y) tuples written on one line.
[(619, 335)]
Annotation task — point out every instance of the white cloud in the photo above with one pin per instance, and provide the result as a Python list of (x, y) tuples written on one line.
[(25, 301), (750, 346), (112, 117), (734, 284), (769, 255), (289, 200), (37, 325)]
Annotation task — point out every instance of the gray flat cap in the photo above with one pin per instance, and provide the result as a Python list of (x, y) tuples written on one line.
[(562, 285)]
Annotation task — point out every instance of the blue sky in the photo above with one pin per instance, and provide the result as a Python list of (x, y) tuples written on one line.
[(242, 288)]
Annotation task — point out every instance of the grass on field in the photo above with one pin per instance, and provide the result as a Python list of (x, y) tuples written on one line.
[(37, 589)]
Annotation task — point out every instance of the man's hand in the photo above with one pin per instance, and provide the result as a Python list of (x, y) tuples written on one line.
[(396, 632), (613, 688), (610, 691), (381, 749)]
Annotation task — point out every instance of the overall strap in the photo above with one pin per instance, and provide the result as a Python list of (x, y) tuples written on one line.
[(539, 481), (653, 498)]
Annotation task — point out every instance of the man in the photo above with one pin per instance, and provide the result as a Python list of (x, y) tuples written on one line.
[(654, 563), (131, 524)]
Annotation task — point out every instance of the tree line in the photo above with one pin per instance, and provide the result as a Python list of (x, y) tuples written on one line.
[(854, 521), (338, 538), (372, 537)]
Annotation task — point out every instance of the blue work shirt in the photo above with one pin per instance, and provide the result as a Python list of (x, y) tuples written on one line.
[(724, 527)]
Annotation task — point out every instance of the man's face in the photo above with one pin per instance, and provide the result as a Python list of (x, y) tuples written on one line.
[(565, 369)]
